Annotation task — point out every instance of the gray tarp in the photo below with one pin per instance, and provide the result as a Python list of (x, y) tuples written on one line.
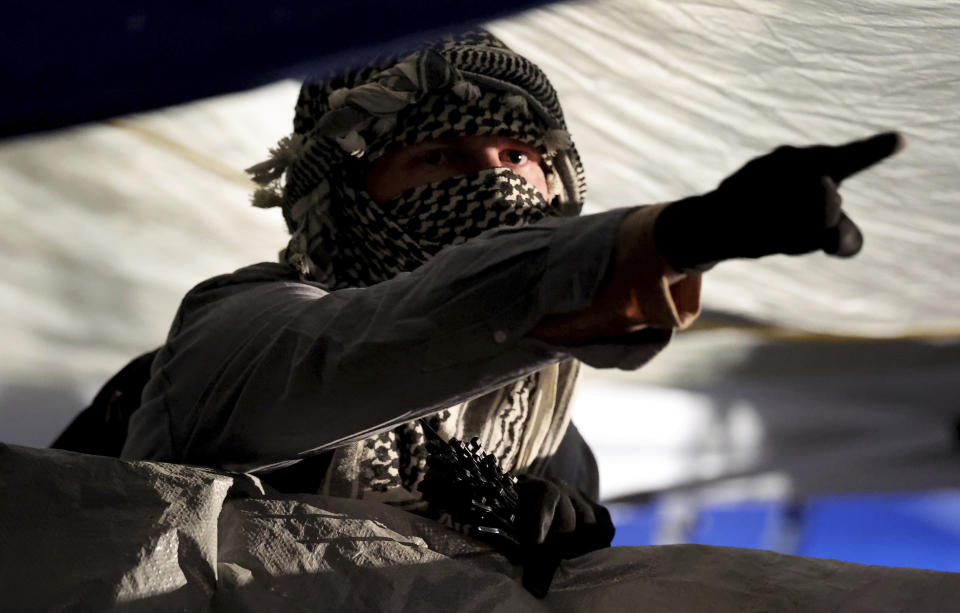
[(88, 533)]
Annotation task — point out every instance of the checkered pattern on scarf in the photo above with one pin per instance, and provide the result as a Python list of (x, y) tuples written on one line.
[(369, 242)]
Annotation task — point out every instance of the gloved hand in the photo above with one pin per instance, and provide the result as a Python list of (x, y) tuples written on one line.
[(556, 513), (555, 521), (784, 202)]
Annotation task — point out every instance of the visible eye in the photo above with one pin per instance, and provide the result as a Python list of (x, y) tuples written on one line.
[(516, 157), (435, 157)]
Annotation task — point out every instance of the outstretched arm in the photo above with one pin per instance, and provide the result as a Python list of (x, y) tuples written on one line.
[(786, 202), (260, 367)]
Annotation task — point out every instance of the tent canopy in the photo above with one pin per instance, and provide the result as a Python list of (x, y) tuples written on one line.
[(106, 225)]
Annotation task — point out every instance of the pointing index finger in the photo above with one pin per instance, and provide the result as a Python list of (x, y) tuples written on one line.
[(844, 160)]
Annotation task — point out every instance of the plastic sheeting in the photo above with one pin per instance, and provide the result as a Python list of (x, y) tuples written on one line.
[(104, 227), (91, 533)]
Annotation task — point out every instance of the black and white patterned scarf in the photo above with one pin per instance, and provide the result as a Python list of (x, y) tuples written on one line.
[(340, 237), (371, 242)]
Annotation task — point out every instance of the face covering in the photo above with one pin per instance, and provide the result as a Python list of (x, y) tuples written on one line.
[(363, 242)]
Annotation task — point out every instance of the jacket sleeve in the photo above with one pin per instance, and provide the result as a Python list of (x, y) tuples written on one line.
[(257, 372)]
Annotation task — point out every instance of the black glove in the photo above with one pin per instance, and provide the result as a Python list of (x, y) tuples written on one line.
[(554, 512), (784, 202), (555, 521)]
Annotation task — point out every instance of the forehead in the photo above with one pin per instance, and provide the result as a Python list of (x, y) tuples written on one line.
[(471, 142)]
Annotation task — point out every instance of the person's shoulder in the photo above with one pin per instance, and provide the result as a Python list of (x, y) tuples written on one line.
[(260, 278), (262, 272)]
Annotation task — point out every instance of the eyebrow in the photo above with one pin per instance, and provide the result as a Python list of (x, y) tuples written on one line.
[(429, 145)]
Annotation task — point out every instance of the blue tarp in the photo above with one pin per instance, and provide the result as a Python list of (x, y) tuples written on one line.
[(913, 530)]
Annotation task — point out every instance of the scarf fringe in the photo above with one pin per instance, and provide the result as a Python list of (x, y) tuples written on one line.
[(466, 91), (281, 157), (352, 143), (338, 97), (267, 198), (515, 102)]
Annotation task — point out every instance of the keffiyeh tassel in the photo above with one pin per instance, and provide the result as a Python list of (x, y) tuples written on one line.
[(466, 91), (515, 102), (266, 198), (338, 97), (298, 258), (352, 143), (281, 157)]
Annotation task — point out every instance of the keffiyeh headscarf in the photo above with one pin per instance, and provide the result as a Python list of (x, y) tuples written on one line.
[(471, 85), (341, 237)]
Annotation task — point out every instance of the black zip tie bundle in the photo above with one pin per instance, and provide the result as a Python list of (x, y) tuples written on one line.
[(469, 484), (482, 500)]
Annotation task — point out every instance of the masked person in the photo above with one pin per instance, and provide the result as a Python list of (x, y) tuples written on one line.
[(437, 267)]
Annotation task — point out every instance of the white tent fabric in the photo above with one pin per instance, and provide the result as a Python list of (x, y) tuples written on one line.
[(104, 227), (92, 533), (664, 100)]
